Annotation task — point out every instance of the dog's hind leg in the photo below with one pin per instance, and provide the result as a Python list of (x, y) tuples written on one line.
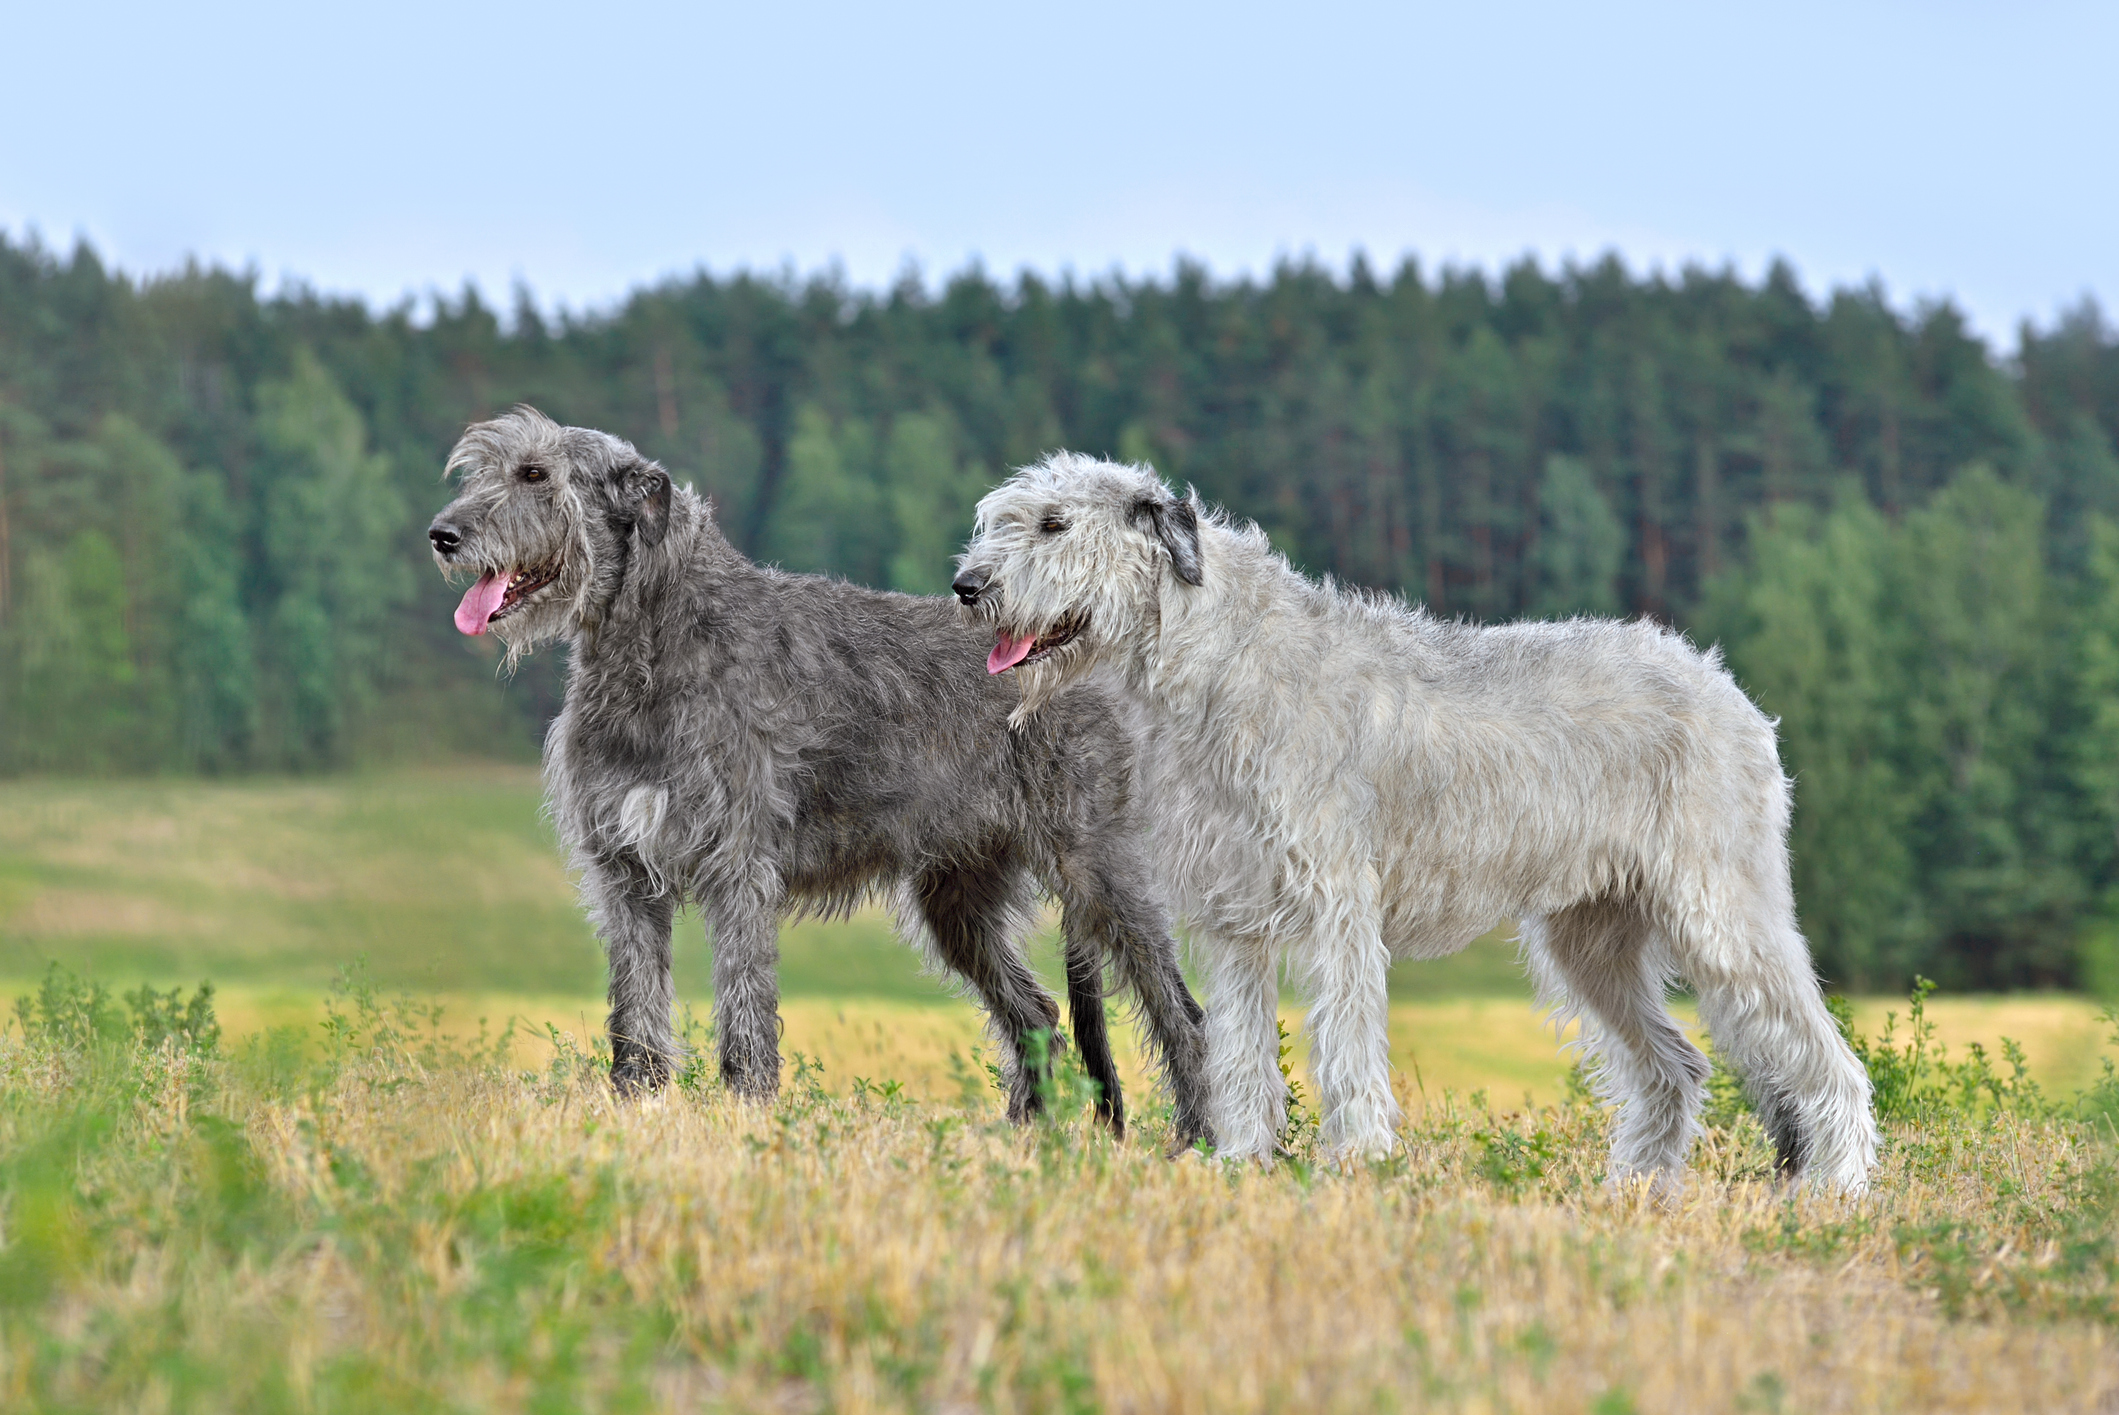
[(1602, 959), (1105, 914), (633, 917), (746, 942), (1091, 1028), (1761, 1003), (976, 917)]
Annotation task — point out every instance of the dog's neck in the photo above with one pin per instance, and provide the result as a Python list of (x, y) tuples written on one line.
[(1210, 634), (626, 621)]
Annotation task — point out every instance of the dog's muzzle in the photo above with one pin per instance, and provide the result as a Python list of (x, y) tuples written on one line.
[(970, 585)]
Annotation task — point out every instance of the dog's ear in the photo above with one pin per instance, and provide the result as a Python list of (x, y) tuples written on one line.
[(640, 496), (650, 491), (1176, 524)]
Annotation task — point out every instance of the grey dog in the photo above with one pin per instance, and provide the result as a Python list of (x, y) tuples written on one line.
[(756, 741)]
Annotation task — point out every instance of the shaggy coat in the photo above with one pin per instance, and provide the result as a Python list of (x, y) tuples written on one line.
[(756, 742), (1339, 780)]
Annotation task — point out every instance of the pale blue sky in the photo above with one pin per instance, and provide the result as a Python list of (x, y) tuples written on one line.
[(392, 148)]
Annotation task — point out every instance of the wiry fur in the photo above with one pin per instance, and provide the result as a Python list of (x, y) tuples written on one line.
[(756, 741), (1339, 780)]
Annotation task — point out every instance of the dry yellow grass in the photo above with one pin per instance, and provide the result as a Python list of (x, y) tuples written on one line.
[(383, 1231)]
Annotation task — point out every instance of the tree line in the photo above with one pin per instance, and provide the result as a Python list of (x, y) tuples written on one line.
[(211, 502)]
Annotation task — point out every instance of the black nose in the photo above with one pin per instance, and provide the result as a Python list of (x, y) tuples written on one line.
[(970, 585), (445, 539)]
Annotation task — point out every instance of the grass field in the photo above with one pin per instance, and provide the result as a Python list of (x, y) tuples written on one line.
[(379, 1218), (364, 1199), (445, 882)]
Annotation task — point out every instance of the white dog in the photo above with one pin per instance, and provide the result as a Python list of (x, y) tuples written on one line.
[(1339, 780)]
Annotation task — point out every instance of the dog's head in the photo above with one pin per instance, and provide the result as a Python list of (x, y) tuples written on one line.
[(1068, 564), (547, 518)]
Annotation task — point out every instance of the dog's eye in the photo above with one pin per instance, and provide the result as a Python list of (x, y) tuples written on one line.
[(534, 474), (1052, 525)]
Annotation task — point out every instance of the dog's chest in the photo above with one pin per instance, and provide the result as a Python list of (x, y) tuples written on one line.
[(637, 823)]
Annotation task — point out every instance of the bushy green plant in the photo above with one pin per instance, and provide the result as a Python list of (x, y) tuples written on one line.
[(1298, 1127), (1914, 1079), (67, 1014), (71, 1014), (2100, 1103)]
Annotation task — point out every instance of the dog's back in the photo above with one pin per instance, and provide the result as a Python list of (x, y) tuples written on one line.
[(861, 719)]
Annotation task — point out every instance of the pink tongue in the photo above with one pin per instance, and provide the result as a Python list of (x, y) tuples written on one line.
[(1007, 652), (479, 603)]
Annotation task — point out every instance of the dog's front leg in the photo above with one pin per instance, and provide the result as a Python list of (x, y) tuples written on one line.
[(1347, 968), (746, 941), (1243, 1045), (632, 915)]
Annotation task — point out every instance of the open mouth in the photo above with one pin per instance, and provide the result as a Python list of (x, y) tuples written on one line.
[(1011, 652), (524, 584), (498, 594)]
